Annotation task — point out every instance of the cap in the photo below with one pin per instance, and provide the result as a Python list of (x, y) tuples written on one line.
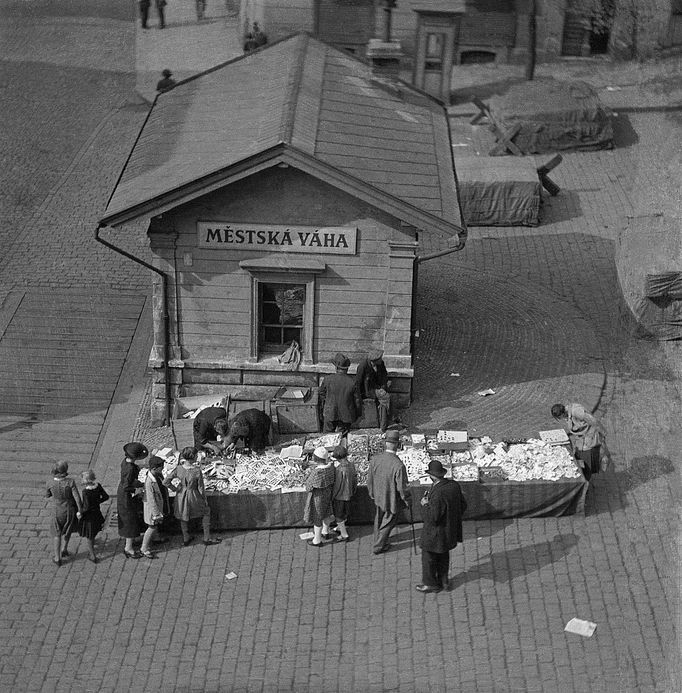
[(321, 453), (435, 468), (339, 452), (341, 361), (375, 355), (392, 436), (135, 451), (167, 73)]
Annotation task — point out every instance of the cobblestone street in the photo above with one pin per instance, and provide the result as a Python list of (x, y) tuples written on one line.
[(534, 313)]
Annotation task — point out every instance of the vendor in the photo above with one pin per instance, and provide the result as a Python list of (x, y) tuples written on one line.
[(252, 426), (373, 383), (210, 423), (586, 434)]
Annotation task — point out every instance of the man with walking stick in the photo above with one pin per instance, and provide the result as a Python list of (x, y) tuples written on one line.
[(387, 486), (442, 510)]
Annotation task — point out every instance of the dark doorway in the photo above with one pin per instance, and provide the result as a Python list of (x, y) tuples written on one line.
[(474, 57)]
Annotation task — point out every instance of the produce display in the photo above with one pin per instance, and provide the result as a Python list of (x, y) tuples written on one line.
[(269, 471), (358, 455), (527, 461), (416, 460)]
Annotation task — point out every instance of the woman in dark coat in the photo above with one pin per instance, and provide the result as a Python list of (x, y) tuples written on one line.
[(129, 498), (67, 509), (92, 519)]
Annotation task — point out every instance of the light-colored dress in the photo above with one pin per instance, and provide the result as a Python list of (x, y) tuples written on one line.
[(190, 501), (319, 485)]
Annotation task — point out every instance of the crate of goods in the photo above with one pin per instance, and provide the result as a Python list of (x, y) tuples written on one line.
[(556, 436), (491, 474), (448, 441)]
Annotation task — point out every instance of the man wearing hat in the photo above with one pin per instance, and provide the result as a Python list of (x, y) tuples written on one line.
[(442, 510), (387, 486), (373, 383), (339, 397), (166, 83)]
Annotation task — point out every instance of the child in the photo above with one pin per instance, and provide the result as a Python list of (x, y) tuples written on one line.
[(67, 509), (92, 519), (345, 485), (318, 506), (155, 502)]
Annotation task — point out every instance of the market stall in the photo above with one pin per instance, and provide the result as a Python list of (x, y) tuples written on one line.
[(532, 478)]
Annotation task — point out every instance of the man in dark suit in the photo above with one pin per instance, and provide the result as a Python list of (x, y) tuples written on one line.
[(208, 424), (252, 426), (387, 487), (339, 397), (372, 379), (442, 510)]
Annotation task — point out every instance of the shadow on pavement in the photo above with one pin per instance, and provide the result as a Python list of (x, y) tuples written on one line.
[(505, 566)]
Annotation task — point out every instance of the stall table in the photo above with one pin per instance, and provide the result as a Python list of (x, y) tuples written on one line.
[(489, 500)]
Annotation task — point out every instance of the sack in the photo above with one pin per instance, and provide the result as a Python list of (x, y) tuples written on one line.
[(291, 356), (157, 519)]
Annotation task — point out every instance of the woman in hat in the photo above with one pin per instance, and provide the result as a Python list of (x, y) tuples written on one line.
[(129, 498), (92, 519), (190, 502), (345, 485), (318, 505), (67, 509)]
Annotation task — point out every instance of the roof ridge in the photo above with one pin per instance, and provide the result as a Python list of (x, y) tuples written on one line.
[(293, 89)]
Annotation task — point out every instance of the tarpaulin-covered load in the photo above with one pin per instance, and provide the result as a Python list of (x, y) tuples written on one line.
[(553, 116), (649, 262), (499, 192)]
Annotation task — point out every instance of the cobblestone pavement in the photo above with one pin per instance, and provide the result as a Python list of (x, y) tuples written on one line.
[(533, 313)]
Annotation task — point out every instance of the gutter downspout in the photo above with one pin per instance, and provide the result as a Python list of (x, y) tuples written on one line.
[(166, 317)]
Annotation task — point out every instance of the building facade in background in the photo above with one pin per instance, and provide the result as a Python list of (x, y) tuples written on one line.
[(489, 31)]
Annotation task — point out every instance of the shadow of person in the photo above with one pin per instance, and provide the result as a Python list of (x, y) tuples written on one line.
[(505, 566), (609, 489)]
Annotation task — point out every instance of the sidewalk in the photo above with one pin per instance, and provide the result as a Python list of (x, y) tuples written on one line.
[(186, 46)]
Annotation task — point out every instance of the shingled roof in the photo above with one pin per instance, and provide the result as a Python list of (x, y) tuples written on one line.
[(305, 103)]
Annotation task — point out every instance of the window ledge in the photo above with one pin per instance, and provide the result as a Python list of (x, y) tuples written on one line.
[(284, 264)]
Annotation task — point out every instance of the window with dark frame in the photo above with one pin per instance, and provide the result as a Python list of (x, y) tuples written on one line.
[(280, 316)]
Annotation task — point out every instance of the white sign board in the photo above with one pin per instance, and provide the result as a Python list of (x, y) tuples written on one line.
[(279, 237)]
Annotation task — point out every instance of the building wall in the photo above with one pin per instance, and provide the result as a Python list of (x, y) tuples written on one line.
[(362, 301)]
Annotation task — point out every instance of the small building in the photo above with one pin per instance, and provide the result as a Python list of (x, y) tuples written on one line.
[(286, 192)]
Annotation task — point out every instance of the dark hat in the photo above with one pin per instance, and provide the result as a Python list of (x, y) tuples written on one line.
[(156, 462), (339, 452), (436, 468), (135, 451), (167, 73), (392, 436), (375, 355), (341, 361)]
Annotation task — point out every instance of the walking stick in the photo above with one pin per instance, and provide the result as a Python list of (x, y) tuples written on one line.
[(414, 538)]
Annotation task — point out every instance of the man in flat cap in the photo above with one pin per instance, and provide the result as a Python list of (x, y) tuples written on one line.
[(339, 397), (373, 382), (387, 486), (442, 510), (208, 425)]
